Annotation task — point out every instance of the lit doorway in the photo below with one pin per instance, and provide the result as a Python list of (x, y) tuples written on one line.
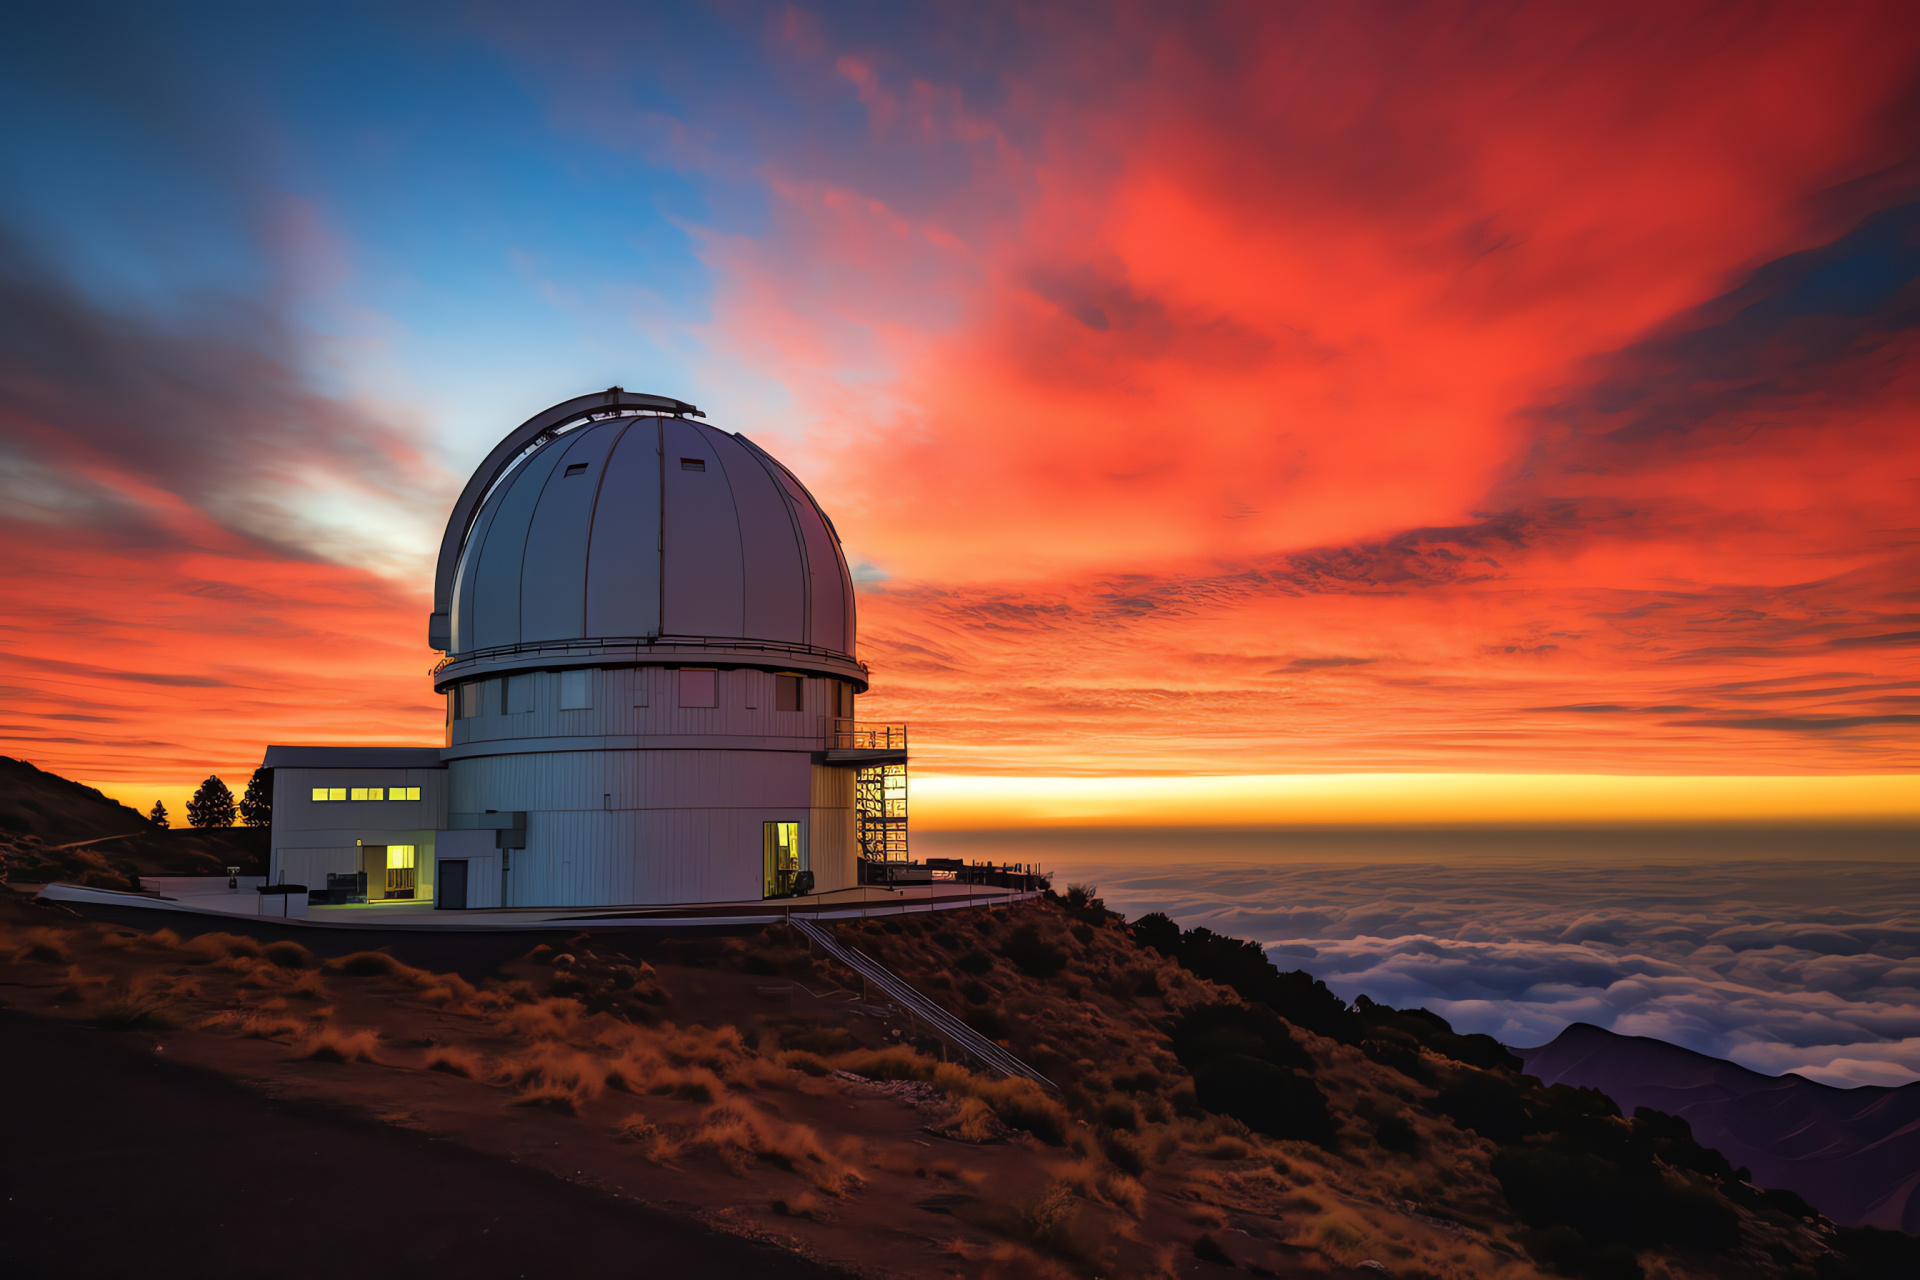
[(390, 871), (783, 861)]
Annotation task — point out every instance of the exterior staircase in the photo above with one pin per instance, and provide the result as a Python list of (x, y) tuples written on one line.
[(950, 1029)]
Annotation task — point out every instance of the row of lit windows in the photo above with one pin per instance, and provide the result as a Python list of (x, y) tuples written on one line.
[(366, 793), (697, 688)]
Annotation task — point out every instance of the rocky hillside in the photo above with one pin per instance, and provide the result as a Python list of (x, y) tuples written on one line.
[(1854, 1153), (1358, 1119), (54, 829)]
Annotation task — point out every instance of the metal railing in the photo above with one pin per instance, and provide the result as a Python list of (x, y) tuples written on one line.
[(937, 1020), (866, 736)]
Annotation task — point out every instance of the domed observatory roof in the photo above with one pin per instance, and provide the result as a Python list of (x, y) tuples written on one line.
[(613, 527)]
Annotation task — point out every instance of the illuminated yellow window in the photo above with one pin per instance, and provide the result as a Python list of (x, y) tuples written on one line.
[(402, 793), (319, 793), (336, 793), (369, 793)]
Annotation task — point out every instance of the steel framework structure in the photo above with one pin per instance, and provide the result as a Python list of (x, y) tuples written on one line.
[(880, 812)]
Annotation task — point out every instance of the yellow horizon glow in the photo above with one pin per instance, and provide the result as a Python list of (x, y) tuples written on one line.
[(975, 802), (954, 802)]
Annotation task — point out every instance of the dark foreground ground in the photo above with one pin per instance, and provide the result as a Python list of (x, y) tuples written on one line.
[(114, 1162)]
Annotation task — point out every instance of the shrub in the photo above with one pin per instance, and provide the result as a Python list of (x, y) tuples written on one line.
[(1124, 1155), (1157, 930), (45, 947), (975, 962), (1207, 1249), (1265, 1097), (366, 964), (1211, 1030), (1033, 955), (1869, 1253), (289, 955), (1490, 1105), (1395, 1133)]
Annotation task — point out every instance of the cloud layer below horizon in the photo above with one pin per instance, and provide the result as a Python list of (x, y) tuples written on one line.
[(1246, 390), (1796, 952)]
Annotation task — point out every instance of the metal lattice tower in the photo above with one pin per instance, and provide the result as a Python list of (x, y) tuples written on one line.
[(880, 812)]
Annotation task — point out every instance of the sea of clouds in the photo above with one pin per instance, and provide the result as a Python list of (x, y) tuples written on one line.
[(1783, 952)]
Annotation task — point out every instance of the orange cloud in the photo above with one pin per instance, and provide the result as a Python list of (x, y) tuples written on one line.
[(1369, 388)]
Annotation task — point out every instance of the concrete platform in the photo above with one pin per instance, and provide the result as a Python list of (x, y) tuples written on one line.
[(209, 896)]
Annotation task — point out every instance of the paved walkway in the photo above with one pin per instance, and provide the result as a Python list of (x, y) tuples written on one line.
[(115, 1163)]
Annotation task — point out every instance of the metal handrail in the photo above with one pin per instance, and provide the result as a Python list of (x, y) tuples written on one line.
[(868, 736), (938, 1020)]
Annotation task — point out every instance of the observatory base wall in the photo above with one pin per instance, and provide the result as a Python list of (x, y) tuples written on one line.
[(653, 827)]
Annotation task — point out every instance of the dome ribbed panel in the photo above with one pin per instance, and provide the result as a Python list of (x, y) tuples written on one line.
[(702, 587), (623, 556), (496, 601), (463, 579), (553, 579), (774, 574), (827, 600)]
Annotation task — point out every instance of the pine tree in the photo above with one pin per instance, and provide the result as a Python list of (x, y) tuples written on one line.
[(158, 815), (256, 806), (212, 805)]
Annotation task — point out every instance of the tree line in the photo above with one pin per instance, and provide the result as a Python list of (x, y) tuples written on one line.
[(213, 804)]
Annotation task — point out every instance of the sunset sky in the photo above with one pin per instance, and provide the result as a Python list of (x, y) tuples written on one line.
[(1219, 391)]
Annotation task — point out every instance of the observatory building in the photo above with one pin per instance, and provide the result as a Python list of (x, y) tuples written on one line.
[(650, 679)]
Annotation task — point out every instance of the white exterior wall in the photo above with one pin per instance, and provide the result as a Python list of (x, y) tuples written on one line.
[(644, 701), (656, 803), (313, 838)]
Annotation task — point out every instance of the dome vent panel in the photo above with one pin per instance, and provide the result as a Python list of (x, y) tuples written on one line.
[(623, 565), (553, 581)]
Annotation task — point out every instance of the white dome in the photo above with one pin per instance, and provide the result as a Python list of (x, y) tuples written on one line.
[(615, 528)]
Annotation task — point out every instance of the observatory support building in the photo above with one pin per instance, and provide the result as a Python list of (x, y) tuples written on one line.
[(650, 679)]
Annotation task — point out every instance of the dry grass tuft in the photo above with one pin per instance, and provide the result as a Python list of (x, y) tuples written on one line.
[(456, 1062), (558, 1077), (137, 1012), (887, 1064), (652, 1140), (210, 947), (740, 1133), (553, 1097), (546, 1019), (43, 945), (1227, 1148), (327, 1044)]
